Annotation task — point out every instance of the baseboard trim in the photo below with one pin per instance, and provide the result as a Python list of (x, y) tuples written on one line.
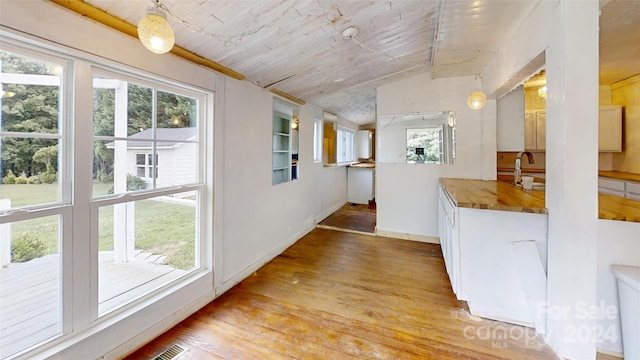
[(610, 353), (330, 211), (160, 327), (247, 271), (405, 236), (327, 227)]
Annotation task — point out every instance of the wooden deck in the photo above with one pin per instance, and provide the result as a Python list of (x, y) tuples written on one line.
[(30, 294), (337, 295)]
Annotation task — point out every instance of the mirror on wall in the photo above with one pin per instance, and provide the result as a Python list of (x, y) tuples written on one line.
[(329, 131), (285, 142), (417, 138)]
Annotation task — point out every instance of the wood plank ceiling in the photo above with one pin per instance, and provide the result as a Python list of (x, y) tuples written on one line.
[(298, 47)]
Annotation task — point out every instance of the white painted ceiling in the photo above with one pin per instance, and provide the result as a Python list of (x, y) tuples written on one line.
[(619, 40), (297, 46)]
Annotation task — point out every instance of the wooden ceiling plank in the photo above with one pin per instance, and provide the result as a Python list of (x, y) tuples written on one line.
[(87, 10)]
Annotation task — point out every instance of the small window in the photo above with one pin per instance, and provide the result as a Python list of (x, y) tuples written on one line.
[(317, 140), (146, 167), (428, 145), (345, 145)]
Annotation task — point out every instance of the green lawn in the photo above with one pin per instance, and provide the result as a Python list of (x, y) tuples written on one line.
[(160, 227)]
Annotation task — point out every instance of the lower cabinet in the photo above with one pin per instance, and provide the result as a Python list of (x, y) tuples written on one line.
[(496, 260), (360, 187), (625, 189)]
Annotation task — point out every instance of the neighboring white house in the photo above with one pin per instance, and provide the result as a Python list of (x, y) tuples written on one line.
[(175, 156)]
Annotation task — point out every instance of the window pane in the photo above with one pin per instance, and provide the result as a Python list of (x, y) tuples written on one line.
[(144, 245), (29, 171), (30, 94), (424, 145), (140, 159), (175, 111), (120, 108), (30, 306), (103, 167)]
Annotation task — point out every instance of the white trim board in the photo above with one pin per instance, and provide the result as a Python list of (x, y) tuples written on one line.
[(247, 271), (412, 237)]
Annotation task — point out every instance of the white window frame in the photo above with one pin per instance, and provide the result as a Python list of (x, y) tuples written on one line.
[(78, 209), (64, 206), (198, 187), (345, 146), (446, 144), (317, 140)]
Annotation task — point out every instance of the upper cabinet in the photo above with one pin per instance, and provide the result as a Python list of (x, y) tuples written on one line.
[(610, 128), (364, 143), (535, 131)]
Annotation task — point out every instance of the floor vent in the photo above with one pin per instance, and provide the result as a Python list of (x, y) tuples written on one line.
[(171, 353)]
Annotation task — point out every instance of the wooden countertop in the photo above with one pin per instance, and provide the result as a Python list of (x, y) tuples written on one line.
[(363, 165), (618, 175), (500, 195), (493, 195), (524, 170), (611, 207)]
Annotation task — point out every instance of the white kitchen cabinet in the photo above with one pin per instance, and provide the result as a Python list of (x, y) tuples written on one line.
[(632, 190), (611, 186), (529, 130), (535, 130), (610, 128), (360, 184), (478, 247), (364, 142), (449, 240), (626, 189)]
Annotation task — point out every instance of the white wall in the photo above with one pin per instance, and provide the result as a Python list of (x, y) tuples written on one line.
[(407, 194), (253, 220), (618, 244), (261, 219), (567, 31)]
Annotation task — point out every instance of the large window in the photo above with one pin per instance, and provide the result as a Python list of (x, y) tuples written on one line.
[(136, 123), (96, 222), (34, 198)]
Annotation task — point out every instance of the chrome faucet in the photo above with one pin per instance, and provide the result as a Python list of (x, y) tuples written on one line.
[(518, 172)]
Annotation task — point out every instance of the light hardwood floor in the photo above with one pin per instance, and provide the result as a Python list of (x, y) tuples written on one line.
[(336, 295), (356, 217)]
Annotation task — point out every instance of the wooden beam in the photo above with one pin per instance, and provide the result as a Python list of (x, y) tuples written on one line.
[(287, 96), (113, 22)]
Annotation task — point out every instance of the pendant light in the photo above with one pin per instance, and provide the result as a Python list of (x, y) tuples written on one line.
[(476, 100), (154, 31)]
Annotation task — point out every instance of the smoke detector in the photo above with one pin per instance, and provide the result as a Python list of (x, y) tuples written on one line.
[(350, 32)]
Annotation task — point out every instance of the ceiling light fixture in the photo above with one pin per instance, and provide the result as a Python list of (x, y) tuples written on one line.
[(542, 92), (476, 100), (154, 31), (350, 32)]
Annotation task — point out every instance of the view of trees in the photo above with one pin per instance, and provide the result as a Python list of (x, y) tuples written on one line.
[(426, 138), (35, 109)]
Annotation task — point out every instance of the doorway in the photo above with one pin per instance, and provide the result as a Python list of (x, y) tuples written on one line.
[(352, 217)]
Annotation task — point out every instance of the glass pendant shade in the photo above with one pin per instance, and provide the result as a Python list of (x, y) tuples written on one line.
[(476, 100), (155, 33)]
